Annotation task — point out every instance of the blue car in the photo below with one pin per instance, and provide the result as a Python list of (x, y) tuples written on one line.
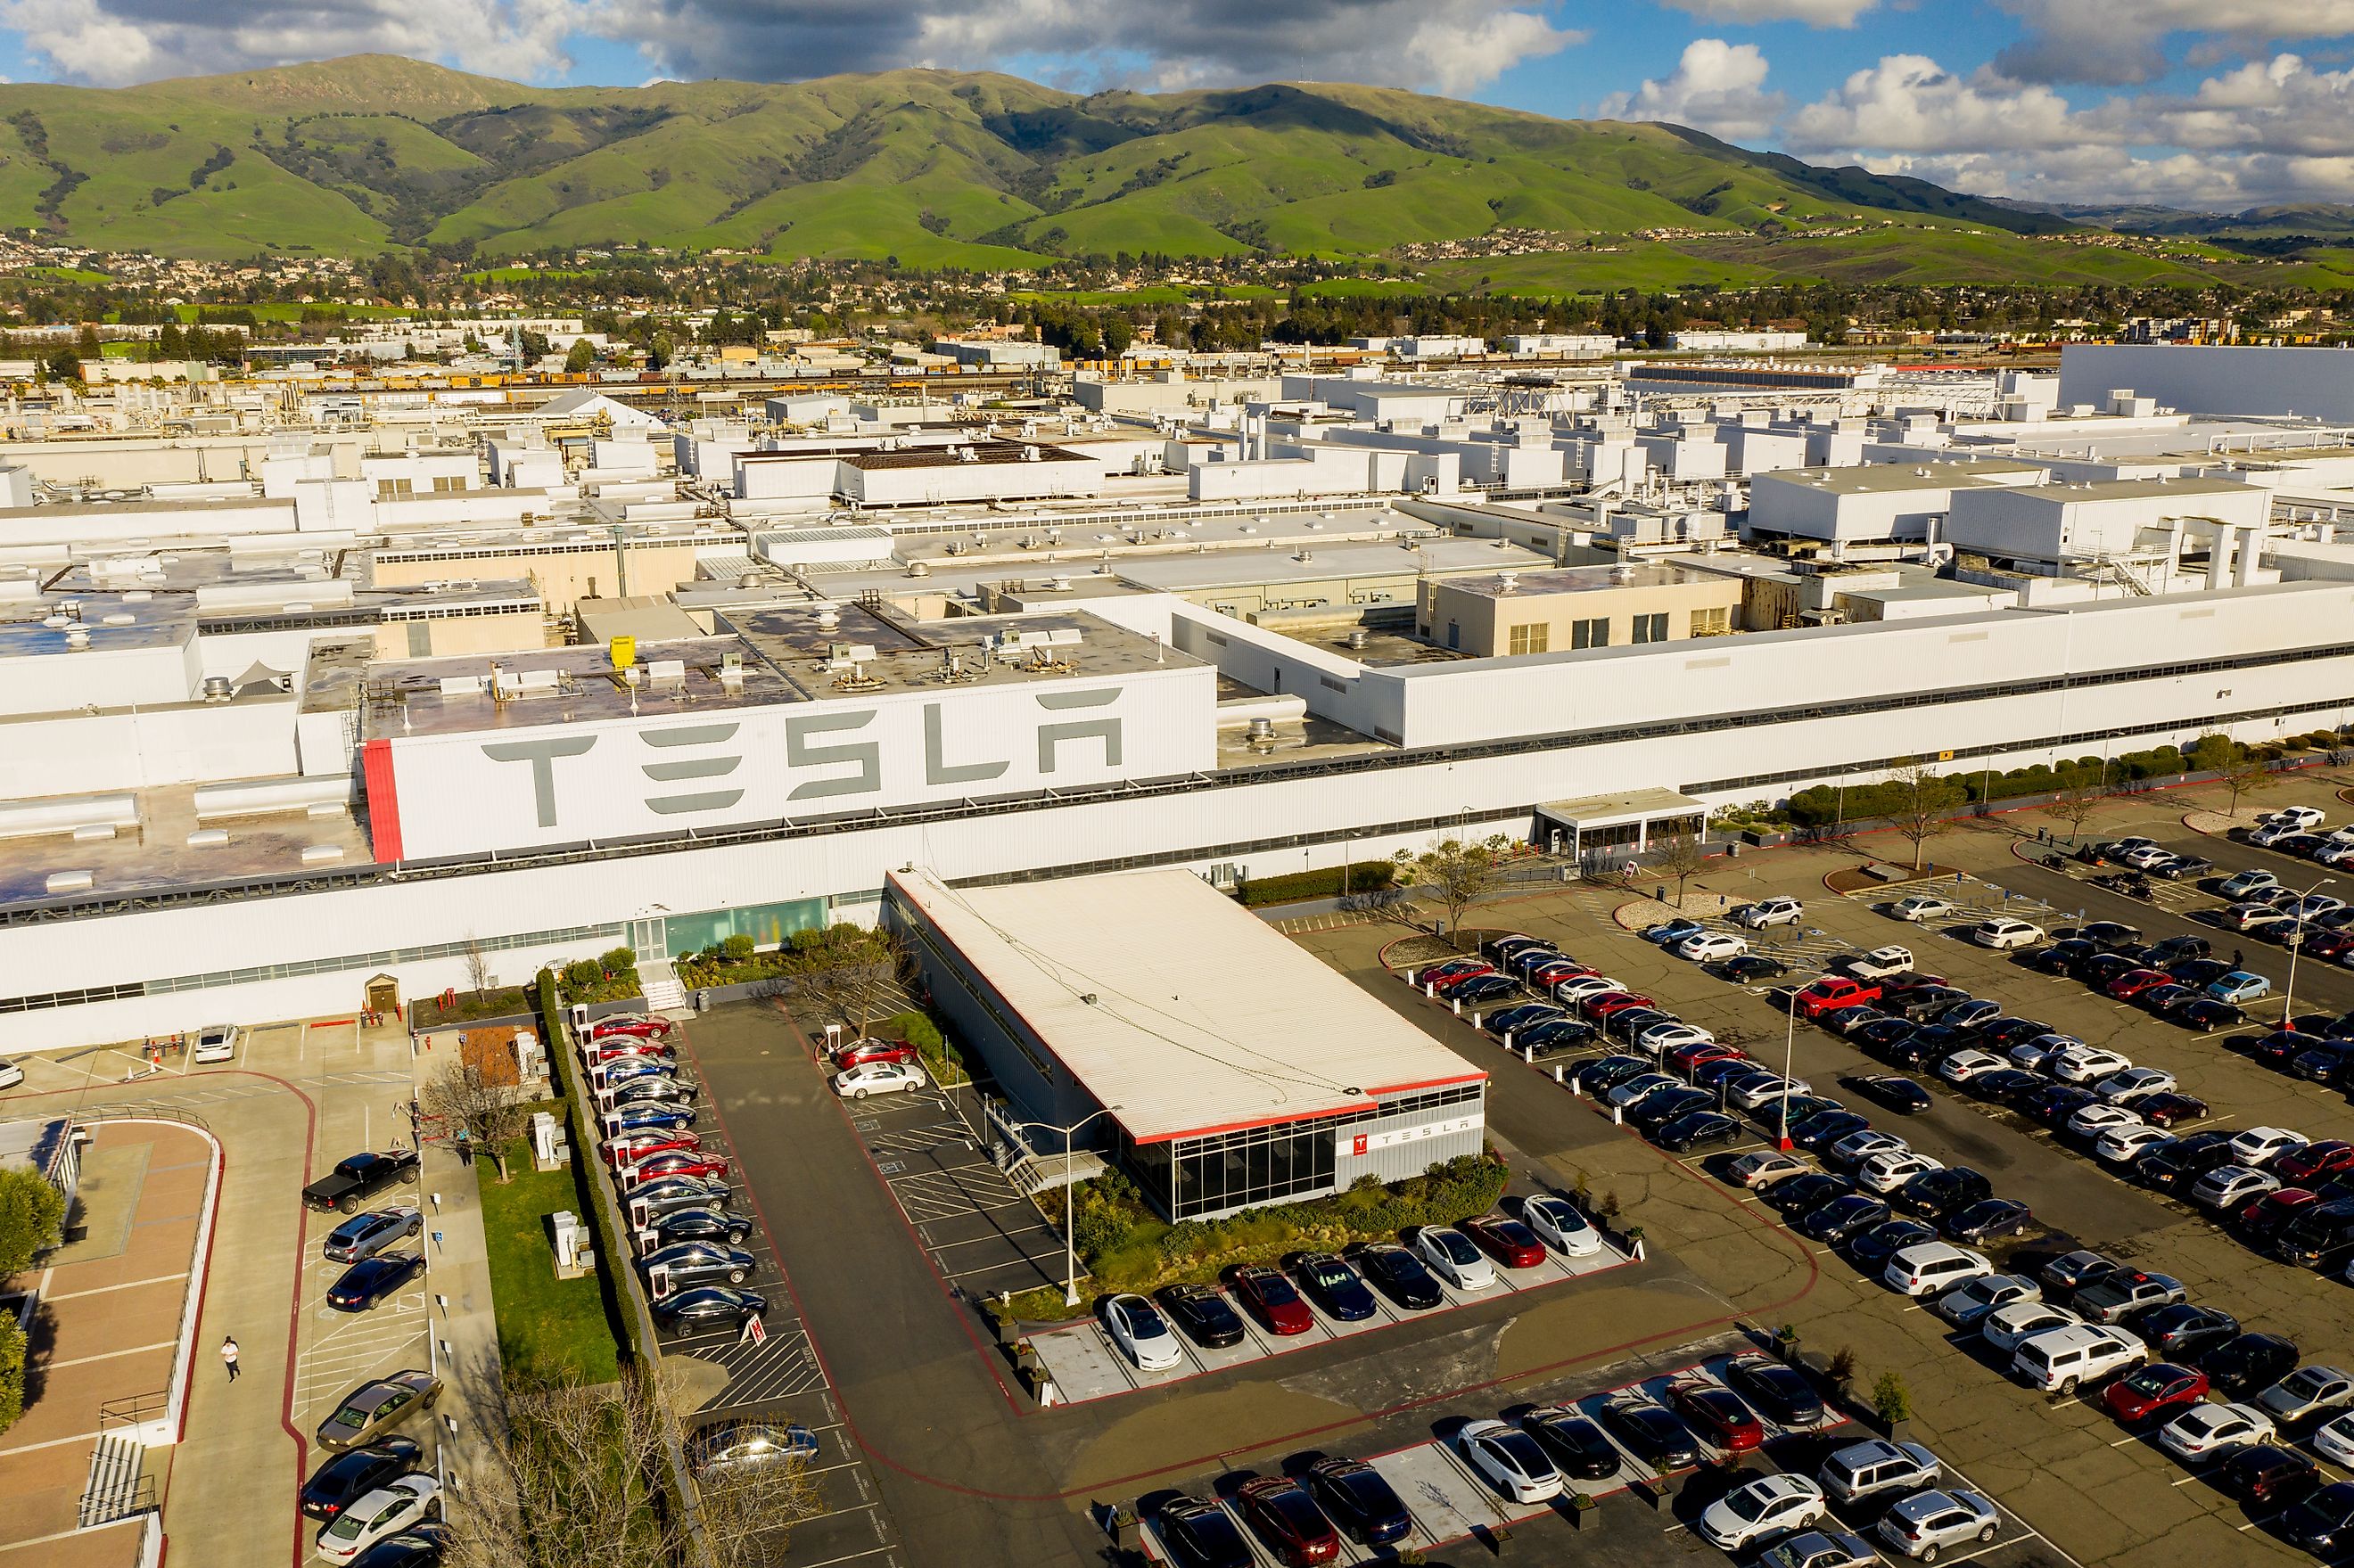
[(2239, 988), (650, 1117), (1487, 988), (373, 1280), (1669, 933)]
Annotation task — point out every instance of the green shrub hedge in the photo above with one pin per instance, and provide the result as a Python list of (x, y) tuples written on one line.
[(1825, 804), (611, 1255), (1361, 876)]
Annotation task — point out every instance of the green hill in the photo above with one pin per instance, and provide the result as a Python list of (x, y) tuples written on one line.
[(940, 168)]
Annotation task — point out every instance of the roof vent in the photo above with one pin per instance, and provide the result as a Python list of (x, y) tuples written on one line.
[(1357, 638), (828, 617), (76, 637), (217, 688), (1507, 582)]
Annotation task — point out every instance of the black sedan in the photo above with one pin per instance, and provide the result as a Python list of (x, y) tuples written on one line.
[(2058, 1105), (1202, 1314), (701, 1224), (373, 1280), (1871, 1249), (346, 1476), (698, 1262), (1934, 1194), (1751, 966), (1333, 1286), (1988, 1219), (2003, 1086), (421, 1545), (1652, 1433), (1201, 1534), (1883, 1033), (1578, 1447), (1804, 1194), (2323, 1525), (1817, 1133), (1556, 1034), (1898, 1094), (1840, 1218), (1608, 1072), (1697, 1130), (706, 1305), (1358, 1501), (2207, 1015), (2063, 957), (2169, 1109), (1657, 1110), (1779, 1392), (1397, 1273), (2243, 1364)]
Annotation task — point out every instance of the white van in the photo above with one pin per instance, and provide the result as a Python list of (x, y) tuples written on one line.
[(2057, 1360), (1928, 1269), (2002, 935)]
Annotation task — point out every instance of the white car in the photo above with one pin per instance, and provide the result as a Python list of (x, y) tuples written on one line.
[(2058, 1360), (2003, 934), (1510, 1460), (2227, 1187), (1930, 1268), (1449, 1253), (1762, 1169), (1761, 1510), (2124, 1144), (2298, 818), (1921, 906), (1968, 1064), (1972, 1299), (215, 1042), (2271, 832), (1927, 1523), (387, 1511), (1712, 947), (1142, 1335), (2308, 1392), (1579, 987), (2085, 1063), (1758, 1093), (2007, 1327), (1559, 1224), (2335, 1442), (1661, 1038), (1858, 1147), (11, 1074), (2206, 1430), (2143, 856), (1780, 911), (2124, 1089), (878, 1079), (2096, 1120), (2263, 1145), (2247, 884), (2035, 1056), (1880, 963), (1886, 1172)]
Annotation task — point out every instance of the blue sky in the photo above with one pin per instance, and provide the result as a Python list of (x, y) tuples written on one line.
[(2219, 103)]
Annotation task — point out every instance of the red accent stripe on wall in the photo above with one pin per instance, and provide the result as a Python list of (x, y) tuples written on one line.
[(383, 803)]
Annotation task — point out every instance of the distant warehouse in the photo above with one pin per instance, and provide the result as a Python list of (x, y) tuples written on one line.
[(1223, 1066)]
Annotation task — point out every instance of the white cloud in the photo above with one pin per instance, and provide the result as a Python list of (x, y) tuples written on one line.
[(1814, 12), (1716, 87), (2119, 41), (1909, 104)]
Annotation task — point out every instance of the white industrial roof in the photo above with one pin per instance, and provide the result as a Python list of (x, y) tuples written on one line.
[(1169, 1000)]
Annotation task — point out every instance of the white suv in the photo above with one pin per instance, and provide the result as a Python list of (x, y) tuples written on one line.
[(2001, 932), (1928, 1269), (1770, 912), (2057, 1360)]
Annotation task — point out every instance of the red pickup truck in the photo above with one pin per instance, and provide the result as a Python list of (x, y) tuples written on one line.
[(1834, 991)]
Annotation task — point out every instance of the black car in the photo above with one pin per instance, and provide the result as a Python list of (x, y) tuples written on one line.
[(1934, 1194), (373, 1280), (1804, 1194), (1202, 1534), (2166, 1000), (1697, 1130), (2176, 868), (2278, 1048), (1987, 1219), (2110, 933), (1751, 967), (1332, 1284), (1920, 1003), (2182, 1332), (348, 1477), (2055, 1106), (1883, 1033), (1608, 1072), (2267, 1473), (1625, 1025), (1651, 1433), (2198, 972), (2074, 1271), (420, 1545), (2002, 1033), (2323, 1525), (1578, 1447), (707, 1304), (1842, 1217), (1801, 1106), (1920, 1049), (665, 1194), (1872, 1250), (2207, 1015), (1819, 1132), (1202, 1314), (1556, 1035), (1360, 1504), (2003, 1086), (1898, 1094), (2169, 951), (2248, 1362), (2063, 957), (2323, 1062), (1396, 1274), (2177, 1167), (1779, 1391), (701, 1224), (1657, 1110), (1726, 1070)]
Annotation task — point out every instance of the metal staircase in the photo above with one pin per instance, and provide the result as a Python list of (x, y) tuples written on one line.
[(116, 1488)]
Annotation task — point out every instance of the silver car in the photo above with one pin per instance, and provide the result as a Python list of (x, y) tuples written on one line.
[(1927, 1523)]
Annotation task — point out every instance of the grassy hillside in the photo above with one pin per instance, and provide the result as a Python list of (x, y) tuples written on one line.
[(940, 168)]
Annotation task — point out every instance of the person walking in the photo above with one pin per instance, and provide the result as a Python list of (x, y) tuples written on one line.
[(228, 1356), (2237, 958)]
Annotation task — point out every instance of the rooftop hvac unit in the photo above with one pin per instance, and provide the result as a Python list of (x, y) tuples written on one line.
[(1507, 582), (1357, 638)]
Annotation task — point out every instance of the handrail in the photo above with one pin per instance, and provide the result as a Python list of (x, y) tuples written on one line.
[(132, 1409)]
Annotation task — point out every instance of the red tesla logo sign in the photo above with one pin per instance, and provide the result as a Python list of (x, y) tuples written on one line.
[(1357, 1144)]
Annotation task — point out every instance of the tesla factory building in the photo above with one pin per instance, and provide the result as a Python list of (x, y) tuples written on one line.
[(1220, 1064)]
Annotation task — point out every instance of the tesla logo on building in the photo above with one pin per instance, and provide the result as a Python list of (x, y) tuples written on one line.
[(1357, 1145), (1364, 1143)]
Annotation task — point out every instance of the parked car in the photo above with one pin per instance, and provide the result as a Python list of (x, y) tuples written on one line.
[(1271, 1297), (2249, 1363), (1760, 1510), (1712, 947), (1928, 1524), (2058, 1360), (1933, 1267), (365, 1235), (1876, 1467), (696, 1162), (858, 1052), (1775, 1390), (2155, 1391), (2183, 1332), (667, 1194), (1920, 906), (2308, 1393), (373, 1280), (1507, 1241), (2122, 1292), (2207, 1431), (392, 1507), (1972, 1299), (1765, 912), (714, 1225), (366, 1412), (1283, 1515), (349, 1476), (1203, 1313), (1988, 1219), (1201, 1534), (1650, 1432), (1333, 1286), (1578, 1448), (879, 1078), (1360, 1501), (1880, 963), (2007, 1327), (2004, 934), (2240, 988), (1766, 1167), (1509, 1460), (1560, 1225), (1717, 1414)]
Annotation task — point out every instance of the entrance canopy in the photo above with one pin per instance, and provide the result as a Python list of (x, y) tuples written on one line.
[(1632, 821)]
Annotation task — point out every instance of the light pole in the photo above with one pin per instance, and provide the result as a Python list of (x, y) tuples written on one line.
[(1789, 1051), (1070, 1247), (2288, 997)]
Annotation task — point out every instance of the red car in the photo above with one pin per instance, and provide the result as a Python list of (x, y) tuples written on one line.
[(2267, 1217), (2154, 1391), (673, 1162), (631, 1147), (2168, 1109), (1717, 1414), (620, 1046), (1280, 1510), (2326, 1157), (1601, 1004), (1461, 978), (1272, 1298), (2133, 982), (860, 1051), (1833, 991), (1509, 1241), (1691, 1059), (1548, 976), (637, 1028)]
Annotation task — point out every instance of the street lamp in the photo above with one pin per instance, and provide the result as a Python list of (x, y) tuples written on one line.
[(1070, 1247), (2288, 997), (1789, 1050)]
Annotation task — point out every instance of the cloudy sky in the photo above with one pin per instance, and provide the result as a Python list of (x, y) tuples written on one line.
[(2216, 103)]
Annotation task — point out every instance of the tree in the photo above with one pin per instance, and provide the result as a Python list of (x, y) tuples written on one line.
[(2075, 806), (32, 1218), (1458, 873), (2236, 768), (12, 1370), (581, 356), (1891, 1399), (478, 966), (849, 969), (1923, 799), (1680, 854), (580, 1478), (481, 1096)]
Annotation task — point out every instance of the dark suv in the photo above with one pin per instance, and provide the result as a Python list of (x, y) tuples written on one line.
[(2177, 1166)]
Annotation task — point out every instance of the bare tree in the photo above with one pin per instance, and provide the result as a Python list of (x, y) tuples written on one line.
[(850, 970), (2235, 767), (483, 1097), (478, 966), (2075, 806), (1456, 872), (582, 1478), (1680, 854), (1924, 799)]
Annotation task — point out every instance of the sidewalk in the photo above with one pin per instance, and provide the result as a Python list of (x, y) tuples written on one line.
[(465, 1349)]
